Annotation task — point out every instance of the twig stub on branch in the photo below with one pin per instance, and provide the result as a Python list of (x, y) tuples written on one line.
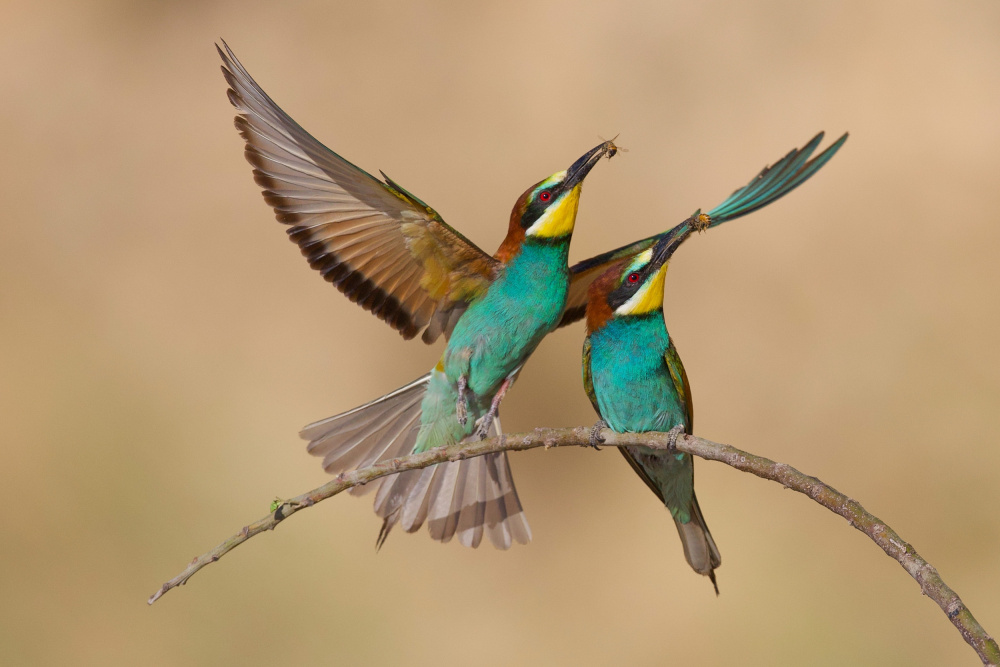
[(884, 536)]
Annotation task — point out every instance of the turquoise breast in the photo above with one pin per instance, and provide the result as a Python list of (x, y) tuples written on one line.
[(500, 330), (634, 389)]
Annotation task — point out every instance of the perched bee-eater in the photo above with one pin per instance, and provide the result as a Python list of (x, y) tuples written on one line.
[(634, 377), (394, 255), (631, 370)]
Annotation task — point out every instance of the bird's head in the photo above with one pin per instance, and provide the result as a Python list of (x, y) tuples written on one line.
[(634, 286), (547, 210)]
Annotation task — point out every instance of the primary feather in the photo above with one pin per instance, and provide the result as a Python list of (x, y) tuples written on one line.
[(382, 247)]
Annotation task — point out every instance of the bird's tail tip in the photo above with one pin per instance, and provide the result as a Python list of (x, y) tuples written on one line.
[(700, 550)]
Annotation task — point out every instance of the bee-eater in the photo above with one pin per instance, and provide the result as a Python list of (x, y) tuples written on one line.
[(395, 256), (631, 370), (636, 382)]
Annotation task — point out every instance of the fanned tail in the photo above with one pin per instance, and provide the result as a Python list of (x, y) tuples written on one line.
[(699, 547), (382, 429), (464, 498)]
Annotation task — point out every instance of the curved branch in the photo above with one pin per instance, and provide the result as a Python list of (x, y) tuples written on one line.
[(885, 537)]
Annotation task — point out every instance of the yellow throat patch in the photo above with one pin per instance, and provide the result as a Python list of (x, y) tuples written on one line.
[(648, 298), (559, 218)]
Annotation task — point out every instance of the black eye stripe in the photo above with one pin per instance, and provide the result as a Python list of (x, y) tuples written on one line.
[(537, 204), (630, 284)]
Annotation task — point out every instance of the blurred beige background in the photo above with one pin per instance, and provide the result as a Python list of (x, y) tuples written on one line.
[(161, 342)]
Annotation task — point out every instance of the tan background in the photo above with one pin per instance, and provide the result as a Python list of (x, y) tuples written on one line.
[(161, 342)]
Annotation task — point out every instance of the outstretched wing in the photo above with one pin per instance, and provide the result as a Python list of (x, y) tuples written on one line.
[(775, 181), (382, 247), (772, 183)]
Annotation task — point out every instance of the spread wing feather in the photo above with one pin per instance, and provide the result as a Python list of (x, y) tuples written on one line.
[(385, 249)]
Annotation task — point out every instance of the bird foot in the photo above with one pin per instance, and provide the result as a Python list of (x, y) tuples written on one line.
[(487, 420), (483, 426), (462, 406), (595, 434), (672, 436)]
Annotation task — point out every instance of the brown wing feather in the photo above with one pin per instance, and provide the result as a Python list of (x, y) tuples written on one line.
[(381, 246), (681, 384)]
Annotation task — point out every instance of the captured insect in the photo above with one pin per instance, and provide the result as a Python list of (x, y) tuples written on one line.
[(700, 221), (612, 149)]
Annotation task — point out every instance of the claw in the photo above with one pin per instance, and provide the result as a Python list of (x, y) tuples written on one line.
[(483, 429), (486, 422), (595, 434), (462, 406), (672, 436)]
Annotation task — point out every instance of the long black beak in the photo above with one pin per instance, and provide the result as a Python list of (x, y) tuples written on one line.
[(582, 167), (668, 243)]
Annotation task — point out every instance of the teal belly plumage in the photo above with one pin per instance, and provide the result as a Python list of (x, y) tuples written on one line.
[(631, 380), (635, 393), (499, 331)]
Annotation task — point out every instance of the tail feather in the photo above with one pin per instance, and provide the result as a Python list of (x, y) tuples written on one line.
[(392, 494), (414, 514), (507, 519), (356, 451), (467, 498), (452, 509), (472, 514), (354, 431), (699, 547), (399, 443), (381, 429), (361, 415), (441, 500), (498, 522)]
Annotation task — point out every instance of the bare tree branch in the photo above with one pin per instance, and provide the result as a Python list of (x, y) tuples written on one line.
[(885, 537)]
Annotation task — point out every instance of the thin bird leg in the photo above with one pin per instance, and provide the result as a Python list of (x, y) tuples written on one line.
[(595, 434), (487, 420), (672, 436), (462, 406)]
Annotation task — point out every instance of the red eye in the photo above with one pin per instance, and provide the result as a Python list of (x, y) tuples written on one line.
[(545, 195), (633, 277)]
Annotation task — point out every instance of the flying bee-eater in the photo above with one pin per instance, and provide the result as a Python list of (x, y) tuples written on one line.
[(395, 256), (636, 382)]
